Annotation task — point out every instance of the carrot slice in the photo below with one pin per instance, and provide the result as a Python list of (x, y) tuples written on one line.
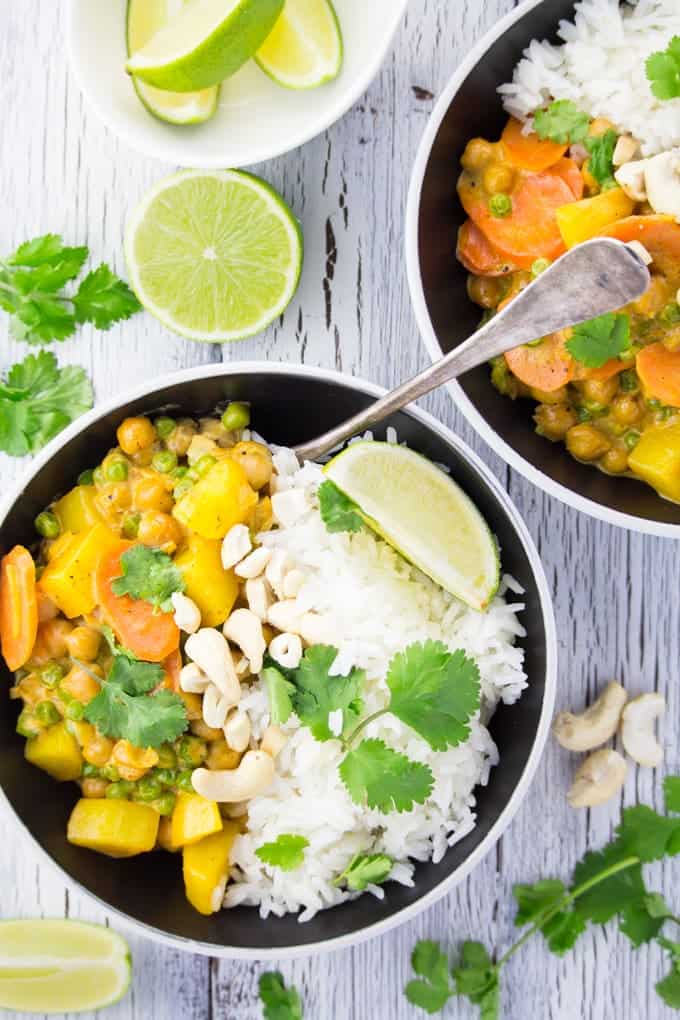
[(151, 635), (571, 175), (659, 372), (546, 366), (18, 607), (530, 231), (478, 255), (528, 151), (172, 666), (660, 236), (607, 371)]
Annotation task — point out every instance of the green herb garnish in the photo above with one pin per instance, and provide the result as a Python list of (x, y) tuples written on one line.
[(364, 870), (601, 162), (337, 511), (663, 71), (286, 852), (279, 1002), (148, 574), (280, 693), (317, 693), (597, 341), (384, 779), (561, 122), (500, 205)]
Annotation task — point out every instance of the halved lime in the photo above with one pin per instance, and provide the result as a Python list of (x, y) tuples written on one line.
[(304, 48), (424, 514), (214, 254), (207, 42), (54, 966), (144, 19)]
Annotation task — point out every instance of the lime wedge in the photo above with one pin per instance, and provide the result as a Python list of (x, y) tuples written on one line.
[(215, 255), (304, 49), (61, 966), (144, 19), (424, 514), (208, 41)]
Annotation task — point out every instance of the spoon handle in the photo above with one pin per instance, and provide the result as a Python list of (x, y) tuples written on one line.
[(593, 278)]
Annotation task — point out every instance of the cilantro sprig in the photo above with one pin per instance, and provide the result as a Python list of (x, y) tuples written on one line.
[(338, 512), (279, 1002), (601, 162), (607, 885), (597, 341), (149, 574), (663, 71), (561, 122), (364, 870), (286, 852), (31, 289)]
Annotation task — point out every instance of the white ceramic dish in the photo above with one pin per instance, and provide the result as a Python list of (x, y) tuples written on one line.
[(256, 120)]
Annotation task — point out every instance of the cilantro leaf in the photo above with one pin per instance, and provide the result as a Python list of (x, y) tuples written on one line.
[(535, 901), (317, 693), (147, 720), (286, 852), (104, 299), (385, 779), (671, 792), (638, 924), (37, 400), (148, 574), (280, 1003), (669, 987), (45, 319), (280, 693), (601, 162), (435, 692), (615, 893), (365, 869), (663, 71), (433, 989), (337, 511), (44, 250), (645, 834), (133, 676), (476, 978), (595, 342), (561, 122)]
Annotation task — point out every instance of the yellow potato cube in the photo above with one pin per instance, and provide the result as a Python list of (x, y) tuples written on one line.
[(118, 828), (579, 221), (206, 868), (77, 510), (56, 751), (213, 589), (656, 459), (193, 818), (69, 578), (218, 501)]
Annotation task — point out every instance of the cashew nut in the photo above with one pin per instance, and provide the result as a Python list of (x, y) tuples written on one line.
[(193, 680), (245, 630), (637, 729), (242, 667), (187, 614), (273, 741), (259, 597), (289, 506), (596, 725), (209, 650), (199, 446), (286, 616), (598, 779), (631, 177), (253, 776), (286, 649), (626, 148), (316, 629), (236, 545), (292, 583), (237, 730), (276, 570), (215, 708), (254, 565)]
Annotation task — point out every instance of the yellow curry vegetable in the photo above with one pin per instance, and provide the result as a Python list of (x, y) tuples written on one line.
[(656, 459), (206, 867), (69, 577), (579, 221), (77, 510), (193, 818), (56, 751), (213, 589), (119, 828), (218, 501)]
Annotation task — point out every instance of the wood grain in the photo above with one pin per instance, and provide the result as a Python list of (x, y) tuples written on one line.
[(615, 593)]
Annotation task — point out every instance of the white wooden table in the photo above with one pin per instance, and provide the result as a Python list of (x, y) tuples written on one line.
[(615, 593)]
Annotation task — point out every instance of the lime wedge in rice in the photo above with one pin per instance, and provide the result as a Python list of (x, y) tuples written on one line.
[(424, 514), (55, 966), (144, 19), (208, 41), (304, 48)]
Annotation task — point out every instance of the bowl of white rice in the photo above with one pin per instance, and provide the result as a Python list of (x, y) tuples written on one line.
[(379, 605), (593, 54)]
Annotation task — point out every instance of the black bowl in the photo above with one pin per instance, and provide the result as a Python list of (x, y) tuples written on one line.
[(470, 107), (289, 405)]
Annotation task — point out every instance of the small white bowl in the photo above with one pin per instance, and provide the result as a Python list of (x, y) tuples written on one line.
[(256, 120)]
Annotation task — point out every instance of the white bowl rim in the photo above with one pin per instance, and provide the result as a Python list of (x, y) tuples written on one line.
[(460, 398), (543, 729), (172, 153)]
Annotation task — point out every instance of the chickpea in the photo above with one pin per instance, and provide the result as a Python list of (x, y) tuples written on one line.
[(554, 420), (46, 607), (193, 704), (585, 442), (559, 396), (626, 409), (151, 493), (600, 391), (125, 753), (83, 643), (600, 126), (52, 637), (135, 434), (144, 457), (98, 751), (214, 429), (615, 461), (201, 729), (485, 291), (92, 787), (80, 684), (498, 177), (114, 496), (221, 756), (256, 461), (179, 439), (159, 529), (478, 152)]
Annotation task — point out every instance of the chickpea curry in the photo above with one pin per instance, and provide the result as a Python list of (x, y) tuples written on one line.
[(91, 625), (609, 389)]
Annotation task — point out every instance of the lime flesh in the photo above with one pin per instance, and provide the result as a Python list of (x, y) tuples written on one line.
[(215, 255), (54, 966), (424, 514), (208, 41), (304, 49), (144, 19)]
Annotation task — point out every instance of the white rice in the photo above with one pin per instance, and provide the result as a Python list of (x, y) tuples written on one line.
[(378, 604), (601, 67)]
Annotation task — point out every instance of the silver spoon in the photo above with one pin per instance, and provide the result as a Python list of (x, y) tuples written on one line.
[(593, 278)]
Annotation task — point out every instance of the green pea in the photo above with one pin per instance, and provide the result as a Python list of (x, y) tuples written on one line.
[(75, 710), (148, 788), (628, 381), (98, 476), (236, 416), (184, 781), (164, 804), (192, 474), (166, 777), (47, 713), (179, 472), (204, 463), (120, 790), (130, 526), (539, 266), (583, 414), (164, 461), (86, 477), (90, 771), (182, 488), (47, 524), (27, 724), (671, 313), (110, 772), (117, 471), (654, 404), (666, 412), (500, 205), (167, 759), (165, 427), (51, 674), (192, 751), (631, 439), (594, 407)]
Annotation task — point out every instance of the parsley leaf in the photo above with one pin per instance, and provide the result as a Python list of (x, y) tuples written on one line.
[(286, 852), (435, 692), (104, 299), (38, 400), (317, 693), (365, 869), (561, 122), (476, 978), (601, 162), (535, 901), (280, 1003), (337, 511), (385, 779), (433, 989), (280, 693), (148, 574), (671, 792), (663, 71), (597, 341)]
